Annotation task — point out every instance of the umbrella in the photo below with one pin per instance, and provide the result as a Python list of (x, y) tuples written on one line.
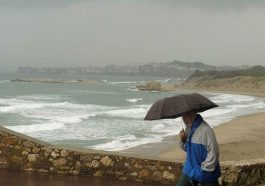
[(173, 107)]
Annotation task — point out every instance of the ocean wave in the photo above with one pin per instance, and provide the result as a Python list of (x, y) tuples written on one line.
[(133, 89), (123, 143), (167, 129), (13, 106), (250, 105), (134, 100), (93, 92), (62, 112), (164, 80), (218, 112), (36, 127), (231, 98), (121, 82), (40, 98), (127, 112), (5, 81)]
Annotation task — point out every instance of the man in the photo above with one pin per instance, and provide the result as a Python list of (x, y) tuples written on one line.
[(202, 164)]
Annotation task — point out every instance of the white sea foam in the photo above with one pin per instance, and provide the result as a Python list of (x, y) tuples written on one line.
[(65, 112), (121, 82), (39, 98), (72, 131), (127, 112), (61, 112), (36, 127), (218, 112), (250, 105), (133, 89), (166, 129), (231, 98), (4, 81), (135, 100), (164, 81), (123, 143), (19, 106)]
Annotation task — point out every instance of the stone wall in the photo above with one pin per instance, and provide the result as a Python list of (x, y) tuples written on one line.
[(245, 172), (21, 152)]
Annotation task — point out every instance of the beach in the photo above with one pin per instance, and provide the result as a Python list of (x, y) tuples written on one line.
[(239, 139)]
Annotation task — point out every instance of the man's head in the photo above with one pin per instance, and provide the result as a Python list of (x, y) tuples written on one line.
[(188, 117)]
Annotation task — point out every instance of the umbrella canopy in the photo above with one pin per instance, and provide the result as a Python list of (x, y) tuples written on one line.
[(173, 107)]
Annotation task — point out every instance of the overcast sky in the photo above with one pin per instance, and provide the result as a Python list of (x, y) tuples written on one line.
[(80, 33)]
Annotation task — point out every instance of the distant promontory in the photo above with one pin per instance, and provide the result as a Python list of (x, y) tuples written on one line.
[(175, 68)]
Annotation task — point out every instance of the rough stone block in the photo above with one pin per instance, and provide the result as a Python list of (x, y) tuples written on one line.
[(32, 157), (28, 144), (64, 153), (107, 161), (10, 140)]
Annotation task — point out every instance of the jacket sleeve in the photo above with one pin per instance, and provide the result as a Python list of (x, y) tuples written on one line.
[(212, 151)]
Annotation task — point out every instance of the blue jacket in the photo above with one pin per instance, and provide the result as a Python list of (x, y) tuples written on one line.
[(202, 162)]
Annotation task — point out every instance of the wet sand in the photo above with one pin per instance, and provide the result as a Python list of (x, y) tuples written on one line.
[(19, 178)]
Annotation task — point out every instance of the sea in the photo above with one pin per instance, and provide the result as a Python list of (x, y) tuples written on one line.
[(107, 114)]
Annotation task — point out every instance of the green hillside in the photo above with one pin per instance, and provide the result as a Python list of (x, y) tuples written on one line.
[(248, 80)]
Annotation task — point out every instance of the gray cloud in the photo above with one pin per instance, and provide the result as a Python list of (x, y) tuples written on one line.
[(90, 33), (37, 3), (214, 4), (220, 4)]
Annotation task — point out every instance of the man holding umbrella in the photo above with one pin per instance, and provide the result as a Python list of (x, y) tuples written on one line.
[(198, 140)]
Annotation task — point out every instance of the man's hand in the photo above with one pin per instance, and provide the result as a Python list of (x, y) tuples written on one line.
[(182, 135)]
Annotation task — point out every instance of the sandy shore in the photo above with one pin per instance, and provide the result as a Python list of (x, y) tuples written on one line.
[(240, 139)]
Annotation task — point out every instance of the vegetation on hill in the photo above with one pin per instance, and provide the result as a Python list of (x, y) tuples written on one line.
[(249, 80)]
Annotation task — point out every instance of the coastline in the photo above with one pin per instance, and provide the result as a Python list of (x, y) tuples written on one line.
[(239, 139), (260, 94)]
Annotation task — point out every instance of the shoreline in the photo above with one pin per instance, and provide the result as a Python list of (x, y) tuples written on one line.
[(230, 91), (239, 139)]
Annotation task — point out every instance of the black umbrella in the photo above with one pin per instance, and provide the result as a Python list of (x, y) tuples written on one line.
[(173, 107)]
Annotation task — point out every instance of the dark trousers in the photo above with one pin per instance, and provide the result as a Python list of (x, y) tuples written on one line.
[(185, 181)]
